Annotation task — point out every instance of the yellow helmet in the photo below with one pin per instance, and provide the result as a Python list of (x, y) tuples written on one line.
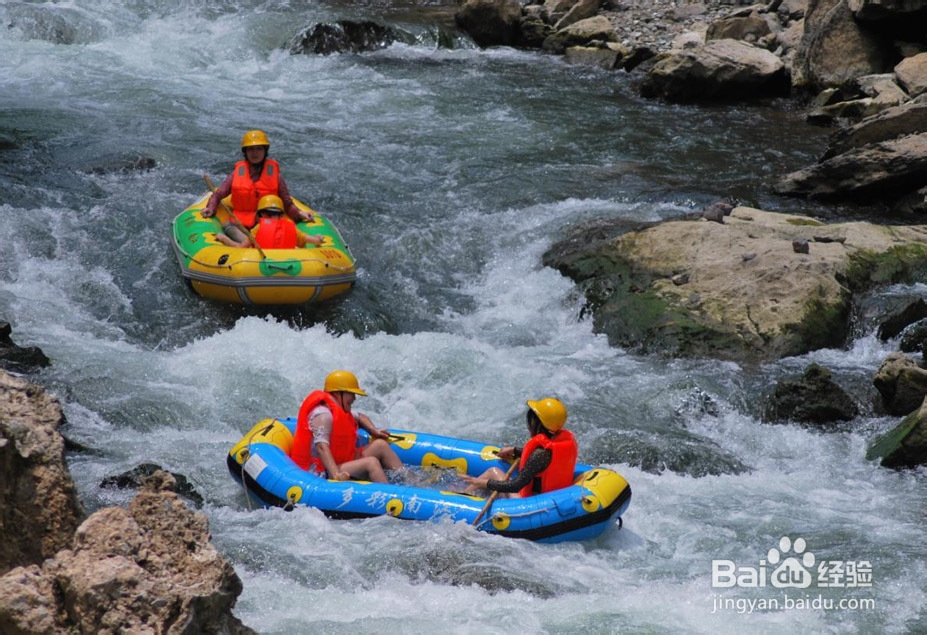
[(254, 138), (550, 411), (270, 203), (342, 381)]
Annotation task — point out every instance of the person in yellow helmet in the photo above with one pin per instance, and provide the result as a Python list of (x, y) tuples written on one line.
[(252, 178), (273, 230), (325, 441), (546, 462)]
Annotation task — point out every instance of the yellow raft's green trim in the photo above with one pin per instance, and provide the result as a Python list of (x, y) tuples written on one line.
[(286, 276)]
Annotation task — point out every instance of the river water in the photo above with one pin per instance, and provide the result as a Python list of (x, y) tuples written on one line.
[(449, 171)]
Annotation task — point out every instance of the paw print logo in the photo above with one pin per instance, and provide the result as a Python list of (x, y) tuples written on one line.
[(794, 570)]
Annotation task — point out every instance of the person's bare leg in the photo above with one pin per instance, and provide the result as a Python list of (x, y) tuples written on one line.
[(368, 466), (384, 453), (228, 242), (233, 237), (494, 473)]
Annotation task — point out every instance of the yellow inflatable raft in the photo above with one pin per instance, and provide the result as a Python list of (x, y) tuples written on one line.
[(242, 276)]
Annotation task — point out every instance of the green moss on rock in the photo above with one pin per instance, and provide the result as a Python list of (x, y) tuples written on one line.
[(905, 445), (905, 263)]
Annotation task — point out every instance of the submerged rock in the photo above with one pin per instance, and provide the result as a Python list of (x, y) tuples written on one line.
[(812, 397), (20, 359), (344, 36), (135, 477), (122, 164)]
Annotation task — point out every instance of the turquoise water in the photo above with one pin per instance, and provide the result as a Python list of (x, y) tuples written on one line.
[(449, 172)]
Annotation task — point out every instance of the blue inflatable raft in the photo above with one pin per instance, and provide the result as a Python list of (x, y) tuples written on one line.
[(260, 462)]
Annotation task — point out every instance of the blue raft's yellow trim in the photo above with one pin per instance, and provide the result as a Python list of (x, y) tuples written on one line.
[(260, 461)]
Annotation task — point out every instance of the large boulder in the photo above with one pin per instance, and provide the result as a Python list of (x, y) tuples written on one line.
[(883, 171), (750, 27), (39, 510), (912, 74), (737, 289), (835, 48), (581, 10), (721, 70), (491, 22), (147, 569), (582, 33), (901, 383), (869, 96)]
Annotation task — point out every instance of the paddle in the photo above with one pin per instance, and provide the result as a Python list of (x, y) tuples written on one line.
[(231, 217), (493, 496)]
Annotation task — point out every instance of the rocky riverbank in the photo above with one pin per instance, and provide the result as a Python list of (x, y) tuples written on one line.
[(859, 66), (149, 568)]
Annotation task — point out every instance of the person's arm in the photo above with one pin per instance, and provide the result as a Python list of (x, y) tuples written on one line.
[(365, 422), (303, 239), (288, 205), (221, 192), (334, 472), (536, 463)]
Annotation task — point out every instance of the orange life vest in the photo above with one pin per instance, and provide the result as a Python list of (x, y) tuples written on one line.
[(246, 193), (276, 233), (559, 473), (343, 441)]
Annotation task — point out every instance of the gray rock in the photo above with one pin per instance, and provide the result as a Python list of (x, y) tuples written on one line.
[(812, 397)]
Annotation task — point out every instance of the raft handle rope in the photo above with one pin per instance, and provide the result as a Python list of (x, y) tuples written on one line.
[(247, 260), (246, 453), (290, 503), (244, 456), (521, 515), (530, 513)]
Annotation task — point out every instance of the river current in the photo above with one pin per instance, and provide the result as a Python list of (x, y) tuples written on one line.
[(449, 171)]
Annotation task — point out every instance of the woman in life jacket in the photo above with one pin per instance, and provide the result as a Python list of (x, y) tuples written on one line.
[(255, 176), (546, 462), (273, 230), (325, 441)]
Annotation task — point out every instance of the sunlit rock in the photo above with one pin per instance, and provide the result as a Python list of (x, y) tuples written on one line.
[(147, 569), (777, 303), (720, 70), (150, 568), (39, 510), (901, 383)]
